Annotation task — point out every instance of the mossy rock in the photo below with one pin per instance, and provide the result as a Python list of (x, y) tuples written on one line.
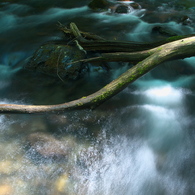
[(56, 60)]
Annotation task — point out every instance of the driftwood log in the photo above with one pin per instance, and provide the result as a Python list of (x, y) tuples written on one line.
[(146, 56)]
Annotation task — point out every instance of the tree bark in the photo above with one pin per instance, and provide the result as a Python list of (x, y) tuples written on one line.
[(147, 60)]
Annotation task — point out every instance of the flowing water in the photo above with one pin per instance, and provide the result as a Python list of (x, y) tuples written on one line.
[(141, 142)]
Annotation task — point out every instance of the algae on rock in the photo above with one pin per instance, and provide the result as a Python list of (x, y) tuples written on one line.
[(55, 60)]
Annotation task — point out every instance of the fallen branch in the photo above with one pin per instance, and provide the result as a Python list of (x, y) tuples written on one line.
[(133, 57), (86, 35), (91, 42), (177, 49)]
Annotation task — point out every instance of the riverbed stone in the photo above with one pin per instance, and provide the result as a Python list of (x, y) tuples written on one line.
[(47, 146), (57, 60)]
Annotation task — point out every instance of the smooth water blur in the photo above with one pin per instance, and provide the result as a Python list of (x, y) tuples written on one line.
[(141, 142)]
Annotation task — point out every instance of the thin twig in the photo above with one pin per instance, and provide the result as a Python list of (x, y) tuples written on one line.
[(57, 67), (80, 47), (94, 59), (71, 41)]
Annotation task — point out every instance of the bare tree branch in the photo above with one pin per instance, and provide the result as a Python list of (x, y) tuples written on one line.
[(176, 49)]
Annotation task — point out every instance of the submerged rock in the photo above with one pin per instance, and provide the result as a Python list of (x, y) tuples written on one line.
[(56, 60), (47, 146)]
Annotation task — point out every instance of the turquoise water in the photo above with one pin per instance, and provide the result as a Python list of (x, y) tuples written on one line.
[(141, 142)]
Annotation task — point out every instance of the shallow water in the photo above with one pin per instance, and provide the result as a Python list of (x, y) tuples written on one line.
[(140, 142)]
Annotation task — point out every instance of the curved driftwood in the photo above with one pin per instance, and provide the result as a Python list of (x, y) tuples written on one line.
[(148, 59)]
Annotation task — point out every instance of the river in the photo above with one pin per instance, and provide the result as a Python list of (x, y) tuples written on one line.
[(140, 142)]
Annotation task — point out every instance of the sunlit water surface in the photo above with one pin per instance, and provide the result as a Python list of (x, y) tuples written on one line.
[(141, 142)]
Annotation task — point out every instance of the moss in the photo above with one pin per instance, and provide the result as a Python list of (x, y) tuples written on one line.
[(132, 78), (102, 96), (150, 53), (79, 104), (175, 38), (120, 85), (112, 89), (160, 48)]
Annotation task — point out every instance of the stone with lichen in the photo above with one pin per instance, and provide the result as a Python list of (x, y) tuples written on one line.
[(57, 60)]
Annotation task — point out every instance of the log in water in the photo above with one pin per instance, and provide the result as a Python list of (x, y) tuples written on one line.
[(140, 142)]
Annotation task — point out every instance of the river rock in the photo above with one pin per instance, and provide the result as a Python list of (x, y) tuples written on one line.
[(47, 146), (125, 7), (99, 5), (118, 7), (56, 60), (122, 9), (164, 31), (135, 5), (185, 20)]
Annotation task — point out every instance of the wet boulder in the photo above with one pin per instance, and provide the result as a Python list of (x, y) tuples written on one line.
[(132, 4), (164, 31), (185, 20), (57, 60), (125, 7), (135, 5), (99, 5), (122, 9), (46, 146), (117, 7)]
